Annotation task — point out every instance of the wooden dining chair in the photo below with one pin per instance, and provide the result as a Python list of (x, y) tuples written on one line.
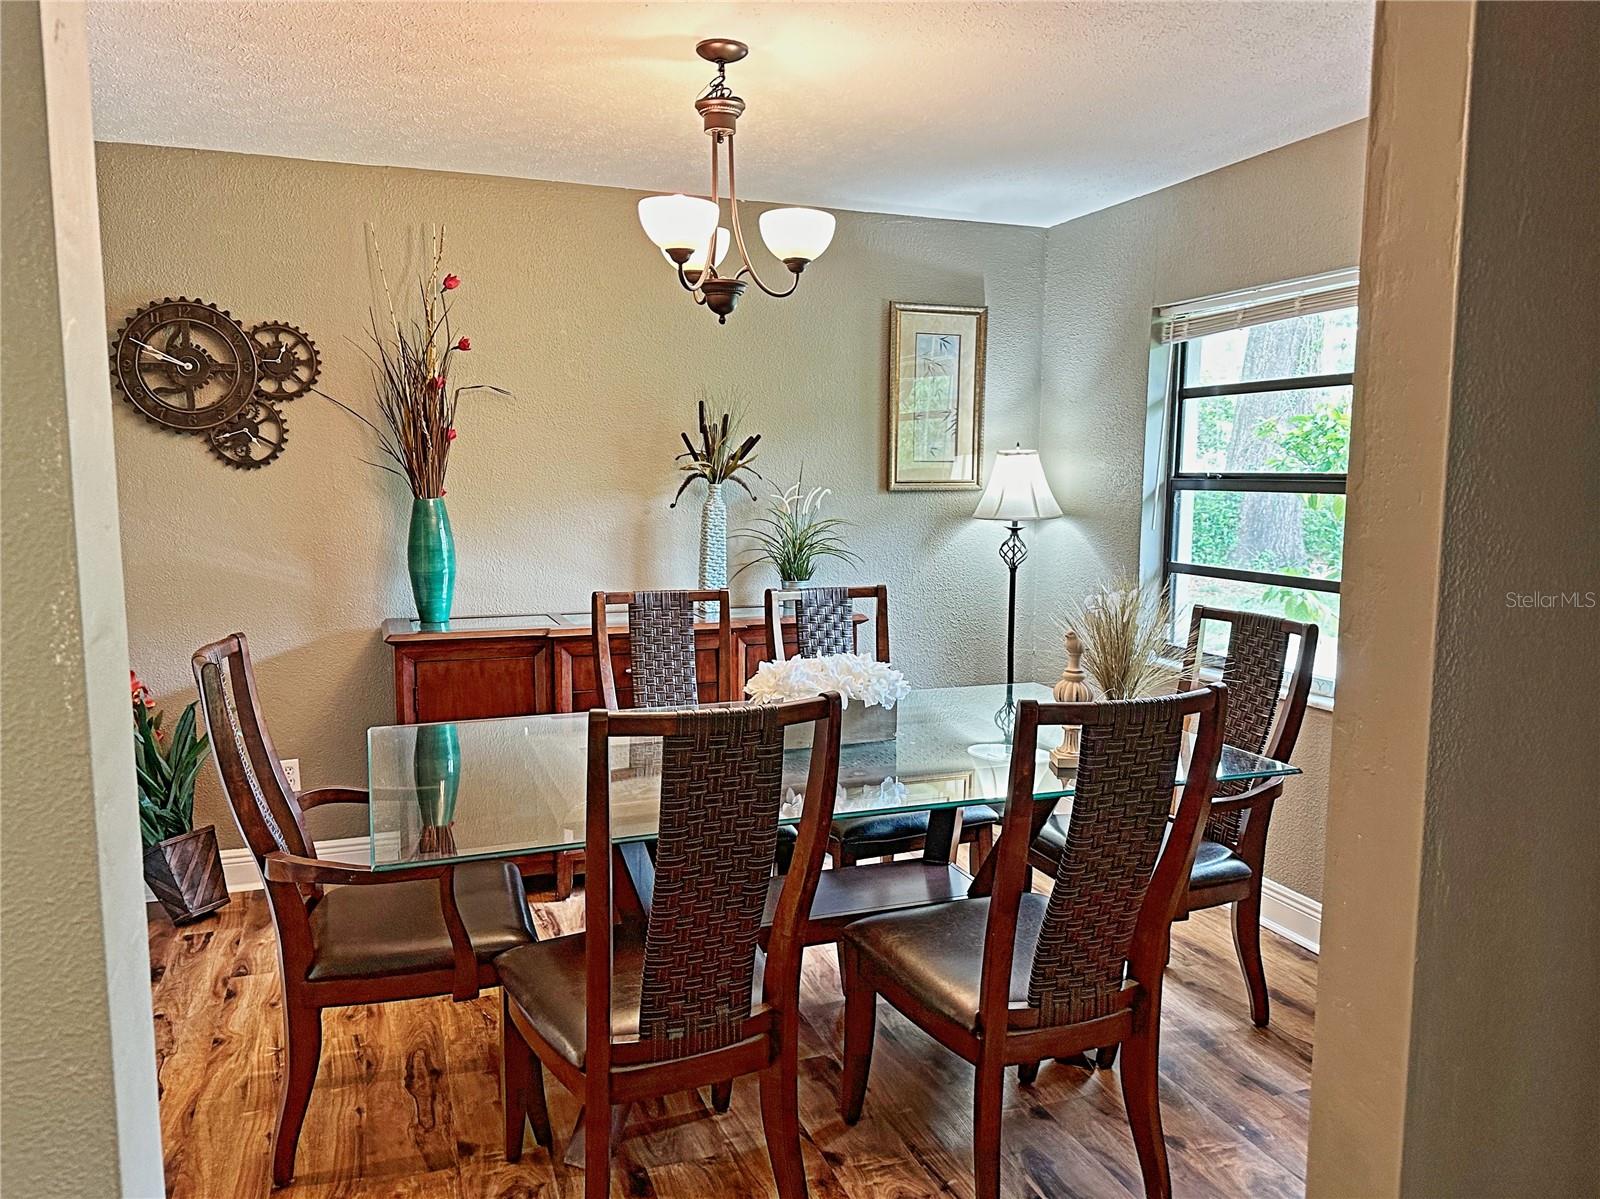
[(824, 619), (1018, 976), (683, 997), (662, 668), (346, 934), (1231, 861)]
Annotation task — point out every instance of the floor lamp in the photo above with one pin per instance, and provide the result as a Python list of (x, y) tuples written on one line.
[(1017, 491)]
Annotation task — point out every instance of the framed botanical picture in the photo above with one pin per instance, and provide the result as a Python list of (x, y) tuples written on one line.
[(936, 356)]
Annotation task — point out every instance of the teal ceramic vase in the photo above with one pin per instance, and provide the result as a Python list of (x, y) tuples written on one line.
[(431, 558), (436, 766)]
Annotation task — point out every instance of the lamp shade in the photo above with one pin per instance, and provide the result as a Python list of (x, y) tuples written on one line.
[(697, 256), (678, 222), (1017, 489), (797, 233)]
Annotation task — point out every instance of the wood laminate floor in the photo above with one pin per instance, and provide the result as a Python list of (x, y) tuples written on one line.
[(407, 1101)]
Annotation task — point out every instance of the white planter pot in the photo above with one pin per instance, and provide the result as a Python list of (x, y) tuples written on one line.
[(860, 725)]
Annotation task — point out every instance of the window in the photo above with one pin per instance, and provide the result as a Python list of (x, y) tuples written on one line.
[(1258, 447)]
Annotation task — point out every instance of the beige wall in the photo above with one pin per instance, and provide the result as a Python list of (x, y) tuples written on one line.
[(1284, 215), (566, 487), (77, 1059), (1463, 885), (552, 494)]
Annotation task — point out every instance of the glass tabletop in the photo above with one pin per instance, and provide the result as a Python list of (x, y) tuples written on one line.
[(515, 785)]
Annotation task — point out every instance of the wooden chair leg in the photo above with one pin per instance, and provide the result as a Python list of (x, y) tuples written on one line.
[(565, 870), (597, 1124), (1105, 1057), (302, 1051), (721, 1095), (988, 1093), (1027, 1072), (860, 1025), (982, 843), (516, 1065), (1247, 942), (780, 1117), (1141, 1094)]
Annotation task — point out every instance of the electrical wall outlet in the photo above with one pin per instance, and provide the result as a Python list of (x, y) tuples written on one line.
[(291, 769)]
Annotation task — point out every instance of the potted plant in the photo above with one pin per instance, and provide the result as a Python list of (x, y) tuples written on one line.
[(181, 862), (793, 536), (719, 458)]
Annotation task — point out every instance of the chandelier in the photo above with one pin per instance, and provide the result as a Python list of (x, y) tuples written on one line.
[(689, 229)]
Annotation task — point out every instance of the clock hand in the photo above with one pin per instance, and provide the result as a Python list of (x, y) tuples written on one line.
[(159, 354)]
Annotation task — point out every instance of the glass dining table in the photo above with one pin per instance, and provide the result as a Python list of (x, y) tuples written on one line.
[(515, 786)]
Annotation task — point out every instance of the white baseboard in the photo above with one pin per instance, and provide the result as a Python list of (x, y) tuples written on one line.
[(239, 867), (1292, 915)]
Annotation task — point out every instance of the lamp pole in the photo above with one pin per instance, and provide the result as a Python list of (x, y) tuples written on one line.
[(1017, 491), (1013, 553)]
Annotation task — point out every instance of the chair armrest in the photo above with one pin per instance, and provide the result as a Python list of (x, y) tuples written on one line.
[(1260, 796), (291, 868), (327, 795)]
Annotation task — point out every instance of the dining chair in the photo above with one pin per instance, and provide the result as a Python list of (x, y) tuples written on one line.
[(684, 997), (1019, 976), (346, 934), (824, 620), (1231, 862), (662, 670)]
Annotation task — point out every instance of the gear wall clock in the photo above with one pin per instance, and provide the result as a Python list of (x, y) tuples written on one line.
[(188, 366)]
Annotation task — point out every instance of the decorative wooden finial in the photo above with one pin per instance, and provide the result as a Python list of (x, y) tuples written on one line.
[(1071, 688)]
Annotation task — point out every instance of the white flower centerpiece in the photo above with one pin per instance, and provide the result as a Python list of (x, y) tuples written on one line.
[(868, 690)]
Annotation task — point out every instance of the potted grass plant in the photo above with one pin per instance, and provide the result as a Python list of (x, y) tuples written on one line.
[(181, 862), (794, 536)]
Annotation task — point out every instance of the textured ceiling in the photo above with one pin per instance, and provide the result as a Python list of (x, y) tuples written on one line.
[(1028, 113)]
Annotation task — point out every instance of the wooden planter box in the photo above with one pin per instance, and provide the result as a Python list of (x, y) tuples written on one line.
[(185, 872)]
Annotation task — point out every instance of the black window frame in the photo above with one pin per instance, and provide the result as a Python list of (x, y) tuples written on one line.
[(1179, 480)]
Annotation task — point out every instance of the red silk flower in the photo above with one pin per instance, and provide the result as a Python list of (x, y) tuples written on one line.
[(464, 344), (451, 282)]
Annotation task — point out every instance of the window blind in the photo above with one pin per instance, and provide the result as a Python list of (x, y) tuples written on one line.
[(1255, 306)]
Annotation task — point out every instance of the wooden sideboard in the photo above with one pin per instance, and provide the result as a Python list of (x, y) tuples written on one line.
[(483, 666)]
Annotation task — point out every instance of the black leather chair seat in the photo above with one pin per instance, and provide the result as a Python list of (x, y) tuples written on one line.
[(898, 826), (936, 953), (1215, 863), (547, 981), (371, 931)]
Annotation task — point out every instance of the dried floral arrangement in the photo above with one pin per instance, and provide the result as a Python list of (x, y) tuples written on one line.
[(1123, 626), (411, 361), (720, 456), (853, 676)]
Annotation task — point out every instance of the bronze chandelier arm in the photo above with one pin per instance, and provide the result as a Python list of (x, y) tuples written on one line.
[(738, 237)]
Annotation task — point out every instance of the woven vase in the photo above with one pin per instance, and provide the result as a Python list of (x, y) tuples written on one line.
[(714, 540)]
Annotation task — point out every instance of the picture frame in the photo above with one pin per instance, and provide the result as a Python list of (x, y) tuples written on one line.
[(935, 401)]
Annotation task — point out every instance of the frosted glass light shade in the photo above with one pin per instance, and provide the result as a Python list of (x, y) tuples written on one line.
[(697, 257), (802, 233), (678, 222), (1017, 489)]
